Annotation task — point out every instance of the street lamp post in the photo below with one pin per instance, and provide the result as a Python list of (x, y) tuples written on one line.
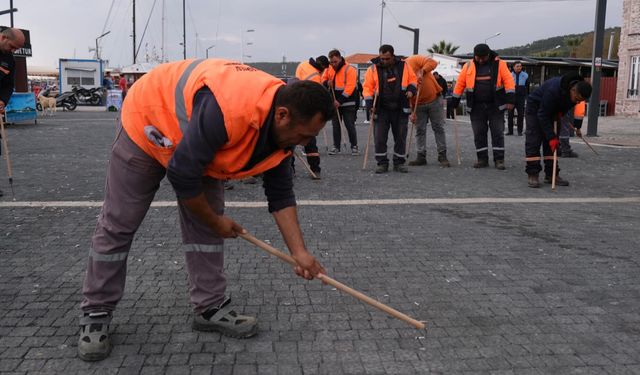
[(207, 50), (97, 50), (492, 36), (416, 37)]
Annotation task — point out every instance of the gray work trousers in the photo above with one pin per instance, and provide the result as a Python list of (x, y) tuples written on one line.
[(433, 111), (133, 178)]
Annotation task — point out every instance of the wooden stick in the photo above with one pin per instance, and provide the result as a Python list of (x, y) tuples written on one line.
[(326, 141), (584, 140), (455, 133), (555, 159), (413, 124), (366, 151), (304, 162), (336, 284), (5, 143), (343, 127)]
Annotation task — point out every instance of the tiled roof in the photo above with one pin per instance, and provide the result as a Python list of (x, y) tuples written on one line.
[(360, 58)]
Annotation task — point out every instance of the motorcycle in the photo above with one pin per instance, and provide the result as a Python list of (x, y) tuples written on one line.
[(88, 96), (66, 100)]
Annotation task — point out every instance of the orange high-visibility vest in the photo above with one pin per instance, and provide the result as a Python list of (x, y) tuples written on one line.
[(579, 109), (467, 80), (307, 72), (345, 80), (371, 85), (163, 98)]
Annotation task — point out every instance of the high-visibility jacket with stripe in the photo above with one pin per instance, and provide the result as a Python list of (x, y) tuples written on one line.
[(163, 98), (307, 72), (430, 88), (501, 78), (578, 114), (345, 83), (372, 79)]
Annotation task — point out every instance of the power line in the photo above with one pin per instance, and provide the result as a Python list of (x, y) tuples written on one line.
[(485, 1)]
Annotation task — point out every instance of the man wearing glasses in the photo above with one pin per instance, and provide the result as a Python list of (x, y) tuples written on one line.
[(546, 105)]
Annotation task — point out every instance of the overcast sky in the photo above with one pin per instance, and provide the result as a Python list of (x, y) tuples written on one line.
[(293, 28)]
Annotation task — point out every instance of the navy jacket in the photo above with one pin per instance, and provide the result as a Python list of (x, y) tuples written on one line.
[(550, 101)]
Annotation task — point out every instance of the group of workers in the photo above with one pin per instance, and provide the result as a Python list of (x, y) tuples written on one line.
[(201, 122)]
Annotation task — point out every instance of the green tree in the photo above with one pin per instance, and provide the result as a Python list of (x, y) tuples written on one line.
[(443, 48), (573, 44)]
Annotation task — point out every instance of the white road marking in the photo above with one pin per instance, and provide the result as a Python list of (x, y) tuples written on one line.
[(352, 202)]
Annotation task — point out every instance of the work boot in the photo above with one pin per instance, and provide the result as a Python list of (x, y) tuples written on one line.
[(533, 181), (225, 320), (559, 181), (94, 343), (481, 163), (421, 159), (400, 168), (568, 154), (442, 159), (509, 133), (334, 150), (382, 168), (317, 175), (500, 165)]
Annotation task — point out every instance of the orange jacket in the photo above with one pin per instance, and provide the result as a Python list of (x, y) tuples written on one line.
[(578, 114), (500, 74), (371, 85), (164, 98), (344, 82), (307, 72), (429, 89)]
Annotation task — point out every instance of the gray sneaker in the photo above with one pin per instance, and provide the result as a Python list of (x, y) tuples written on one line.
[(94, 343), (225, 320)]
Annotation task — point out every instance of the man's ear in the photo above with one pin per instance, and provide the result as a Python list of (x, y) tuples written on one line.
[(282, 113)]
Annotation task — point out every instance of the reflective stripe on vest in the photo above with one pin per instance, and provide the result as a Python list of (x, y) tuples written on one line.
[(181, 107)]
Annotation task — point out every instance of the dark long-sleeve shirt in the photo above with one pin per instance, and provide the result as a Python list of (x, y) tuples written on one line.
[(205, 135), (7, 76), (547, 102)]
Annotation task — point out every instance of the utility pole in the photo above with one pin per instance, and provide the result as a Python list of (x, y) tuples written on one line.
[(610, 45), (163, 20), (184, 30), (596, 67), (381, 19), (134, 31), (11, 7)]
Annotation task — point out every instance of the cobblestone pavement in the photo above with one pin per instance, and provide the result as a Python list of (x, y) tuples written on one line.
[(505, 286)]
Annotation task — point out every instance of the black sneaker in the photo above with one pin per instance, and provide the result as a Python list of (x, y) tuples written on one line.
[(94, 343), (482, 163), (559, 181), (400, 168), (354, 151), (568, 154), (382, 168), (334, 150)]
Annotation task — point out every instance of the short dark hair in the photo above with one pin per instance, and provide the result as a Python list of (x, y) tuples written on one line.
[(517, 62), (305, 99), (386, 48), (334, 52), (481, 50), (584, 89), (323, 61)]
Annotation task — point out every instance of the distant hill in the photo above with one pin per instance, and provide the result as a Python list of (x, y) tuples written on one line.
[(547, 47), (276, 68)]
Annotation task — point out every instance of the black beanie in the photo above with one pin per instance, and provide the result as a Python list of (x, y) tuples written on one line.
[(323, 61), (481, 50)]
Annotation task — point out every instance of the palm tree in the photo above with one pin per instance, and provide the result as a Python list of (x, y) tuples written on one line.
[(443, 48), (573, 44)]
